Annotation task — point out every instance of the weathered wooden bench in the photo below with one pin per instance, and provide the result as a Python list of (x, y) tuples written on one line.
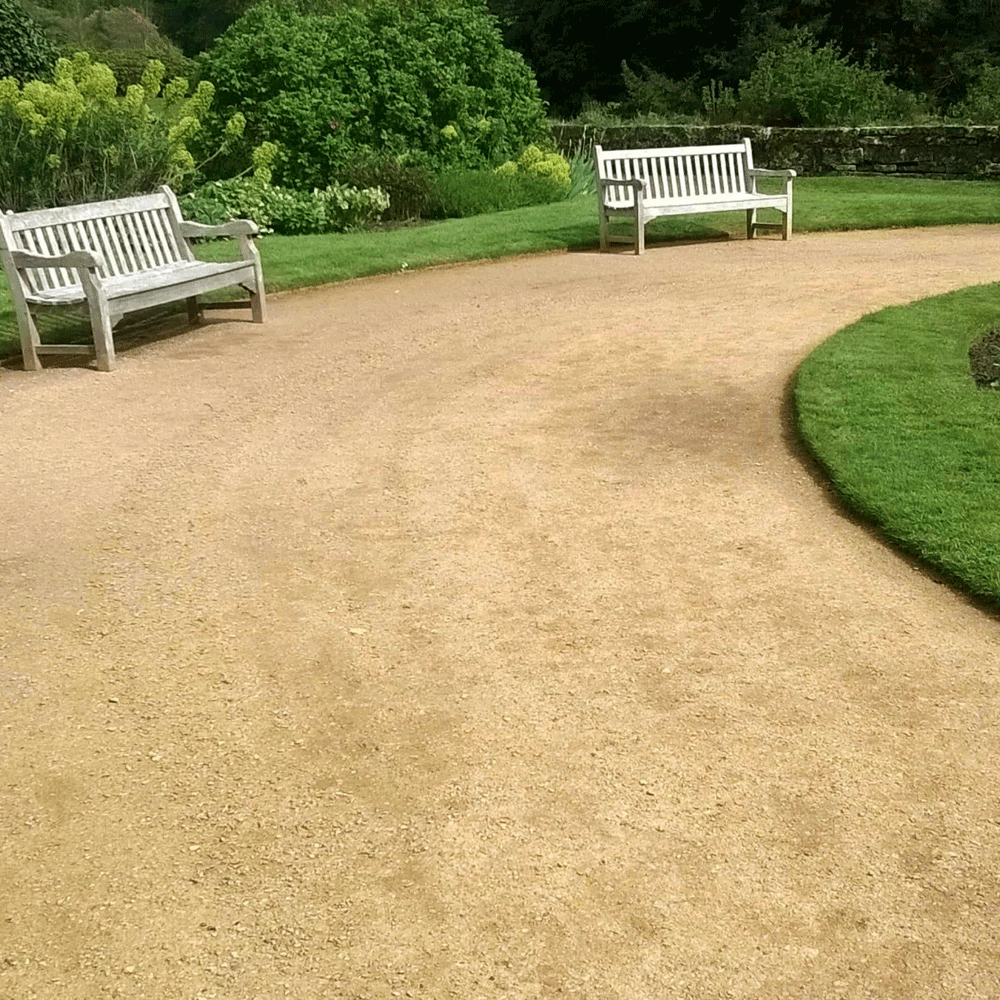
[(642, 184), (116, 257)]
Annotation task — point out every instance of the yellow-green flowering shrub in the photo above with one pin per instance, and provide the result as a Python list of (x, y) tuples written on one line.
[(74, 140), (534, 162)]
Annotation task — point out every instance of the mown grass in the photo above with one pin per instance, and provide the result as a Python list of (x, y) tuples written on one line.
[(889, 408), (820, 204)]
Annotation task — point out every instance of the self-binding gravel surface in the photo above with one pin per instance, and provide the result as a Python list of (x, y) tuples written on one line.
[(482, 633)]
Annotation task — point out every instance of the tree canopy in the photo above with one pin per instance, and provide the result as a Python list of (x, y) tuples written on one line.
[(576, 48)]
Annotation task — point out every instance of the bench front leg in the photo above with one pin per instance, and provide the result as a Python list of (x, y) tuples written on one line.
[(100, 319), (258, 298)]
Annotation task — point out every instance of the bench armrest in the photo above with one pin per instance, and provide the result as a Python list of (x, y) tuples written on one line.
[(88, 259), (761, 172), (235, 227), (606, 182)]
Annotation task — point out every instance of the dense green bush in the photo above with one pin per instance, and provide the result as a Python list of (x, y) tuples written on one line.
[(459, 192), (25, 52), (409, 187), (429, 83), (75, 141), (652, 93), (982, 101), (802, 84), (337, 208)]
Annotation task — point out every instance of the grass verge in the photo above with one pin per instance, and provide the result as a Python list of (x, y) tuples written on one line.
[(889, 408), (821, 203)]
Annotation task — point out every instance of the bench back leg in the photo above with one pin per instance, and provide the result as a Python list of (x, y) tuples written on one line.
[(751, 222)]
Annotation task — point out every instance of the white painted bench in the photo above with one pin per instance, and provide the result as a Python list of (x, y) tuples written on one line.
[(642, 184), (115, 257)]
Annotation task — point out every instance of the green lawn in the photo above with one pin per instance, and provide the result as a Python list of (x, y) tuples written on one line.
[(820, 204), (889, 409)]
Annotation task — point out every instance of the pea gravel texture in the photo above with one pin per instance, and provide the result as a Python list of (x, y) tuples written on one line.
[(483, 633)]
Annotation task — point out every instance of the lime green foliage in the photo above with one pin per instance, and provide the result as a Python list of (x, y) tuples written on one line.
[(128, 65), (75, 141), (25, 52), (800, 83), (982, 102), (534, 163), (889, 408), (337, 208), (428, 83)]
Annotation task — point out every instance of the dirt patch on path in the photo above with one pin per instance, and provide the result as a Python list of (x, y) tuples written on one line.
[(478, 632)]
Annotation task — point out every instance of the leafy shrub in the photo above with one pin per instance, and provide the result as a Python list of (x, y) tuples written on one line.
[(652, 93), (129, 65), (583, 177), (110, 28), (718, 103), (74, 141), (25, 52), (430, 83), (800, 84), (982, 100), (408, 187), (534, 163), (459, 193), (337, 208)]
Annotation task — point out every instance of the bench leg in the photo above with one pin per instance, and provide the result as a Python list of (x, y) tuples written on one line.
[(100, 323), (29, 340), (194, 310), (602, 225), (751, 222), (258, 297), (640, 234)]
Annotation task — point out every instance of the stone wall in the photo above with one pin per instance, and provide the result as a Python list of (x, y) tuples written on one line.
[(951, 151)]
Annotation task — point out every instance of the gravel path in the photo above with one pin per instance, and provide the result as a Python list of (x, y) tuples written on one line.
[(481, 632)]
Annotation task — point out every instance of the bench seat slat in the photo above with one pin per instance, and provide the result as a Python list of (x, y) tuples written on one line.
[(131, 284)]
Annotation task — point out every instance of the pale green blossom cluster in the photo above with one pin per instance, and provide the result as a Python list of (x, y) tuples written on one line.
[(75, 139), (541, 164)]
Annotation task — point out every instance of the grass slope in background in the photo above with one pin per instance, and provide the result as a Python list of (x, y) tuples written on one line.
[(889, 408), (836, 203)]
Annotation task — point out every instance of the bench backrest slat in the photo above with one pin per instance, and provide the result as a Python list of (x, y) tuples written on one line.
[(684, 173), (131, 234)]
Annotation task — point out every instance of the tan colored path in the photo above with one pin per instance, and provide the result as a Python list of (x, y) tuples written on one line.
[(479, 633)]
